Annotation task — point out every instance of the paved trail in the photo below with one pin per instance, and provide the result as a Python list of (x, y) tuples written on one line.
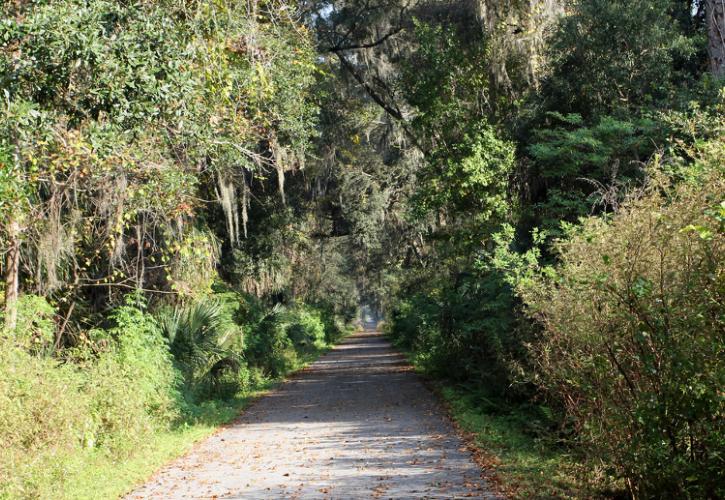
[(357, 424)]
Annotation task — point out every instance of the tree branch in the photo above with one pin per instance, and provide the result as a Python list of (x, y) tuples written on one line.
[(392, 111), (369, 45)]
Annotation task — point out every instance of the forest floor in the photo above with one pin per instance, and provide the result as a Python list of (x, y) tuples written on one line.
[(358, 423)]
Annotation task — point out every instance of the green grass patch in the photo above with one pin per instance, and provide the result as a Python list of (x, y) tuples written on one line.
[(99, 473), (524, 463)]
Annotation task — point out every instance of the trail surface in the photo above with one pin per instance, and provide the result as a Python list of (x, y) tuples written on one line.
[(357, 424)]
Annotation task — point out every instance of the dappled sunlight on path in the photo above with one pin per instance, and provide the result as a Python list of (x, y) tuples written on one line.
[(356, 424)]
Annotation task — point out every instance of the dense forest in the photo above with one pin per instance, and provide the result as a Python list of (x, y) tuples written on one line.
[(196, 197)]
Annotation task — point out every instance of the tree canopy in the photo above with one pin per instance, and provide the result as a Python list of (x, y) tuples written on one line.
[(528, 192)]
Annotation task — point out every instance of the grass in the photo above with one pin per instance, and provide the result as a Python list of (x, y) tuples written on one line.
[(523, 465), (97, 474)]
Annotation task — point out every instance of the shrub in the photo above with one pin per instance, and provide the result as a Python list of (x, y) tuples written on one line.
[(334, 324), (461, 328), (414, 325), (632, 339), (35, 331), (108, 396), (44, 416), (306, 328), (201, 336), (269, 346), (133, 384)]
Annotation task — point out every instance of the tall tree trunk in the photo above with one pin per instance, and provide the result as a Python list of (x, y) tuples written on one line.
[(517, 29), (715, 12), (12, 271)]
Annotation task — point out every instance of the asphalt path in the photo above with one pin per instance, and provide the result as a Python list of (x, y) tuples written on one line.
[(358, 423)]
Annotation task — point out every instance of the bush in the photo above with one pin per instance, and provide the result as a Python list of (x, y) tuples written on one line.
[(334, 324), (461, 328), (269, 346), (414, 325), (35, 331), (107, 396), (43, 416), (202, 337), (278, 339), (133, 383), (306, 328), (632, 338)]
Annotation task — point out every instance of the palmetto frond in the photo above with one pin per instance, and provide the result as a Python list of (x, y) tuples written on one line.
[(199, 335)]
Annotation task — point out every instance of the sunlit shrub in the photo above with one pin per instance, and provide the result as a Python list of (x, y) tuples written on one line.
[(334, 324), (35, 331), (44, 416), (269, 346), (108, 397), (132, 384), (306, 328), (632, 339), (201, 338)]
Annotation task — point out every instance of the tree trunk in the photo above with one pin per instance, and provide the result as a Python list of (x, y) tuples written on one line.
[(519, 29), (12, 271), (715, 12)]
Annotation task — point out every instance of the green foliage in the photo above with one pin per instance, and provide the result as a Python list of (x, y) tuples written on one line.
[(269, 347), (469, 176), (306, 328), (283, 336), (462, 329), (413, 325), (114, 396), (455, 319), (201, 336), (609, 55), (43, 416), (13, 191), (588, 169), (115, 119), (36, 327), (632, 336), (467, 163), (444, 79)]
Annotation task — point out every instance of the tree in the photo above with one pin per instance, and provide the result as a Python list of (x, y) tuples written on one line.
[(12, 273), (715, 12)]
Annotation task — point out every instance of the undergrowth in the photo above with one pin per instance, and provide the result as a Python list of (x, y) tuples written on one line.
[(93, 420)]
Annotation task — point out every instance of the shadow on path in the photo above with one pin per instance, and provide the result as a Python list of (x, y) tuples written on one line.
[(357, 424)]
